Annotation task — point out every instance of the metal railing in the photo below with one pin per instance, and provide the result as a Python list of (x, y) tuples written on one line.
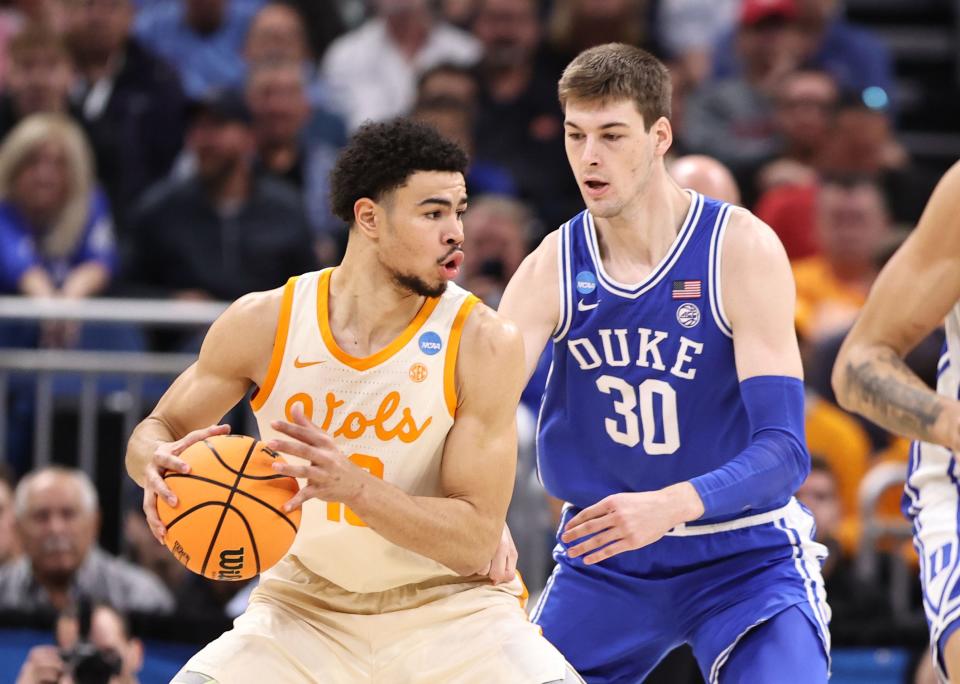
[(133, 367)]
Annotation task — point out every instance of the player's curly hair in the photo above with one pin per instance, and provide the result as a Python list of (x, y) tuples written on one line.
[(380, 157)]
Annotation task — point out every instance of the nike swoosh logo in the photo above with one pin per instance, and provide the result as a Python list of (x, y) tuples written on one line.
[(297, 363), (586, 307)]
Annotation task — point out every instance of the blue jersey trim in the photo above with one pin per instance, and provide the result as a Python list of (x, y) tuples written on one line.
[(715, 276), (564, 258), (632, 291)]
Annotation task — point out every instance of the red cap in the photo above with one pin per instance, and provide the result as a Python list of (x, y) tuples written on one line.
[(754, 11)]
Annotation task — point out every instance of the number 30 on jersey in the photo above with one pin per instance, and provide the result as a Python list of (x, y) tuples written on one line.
[(626, 401)]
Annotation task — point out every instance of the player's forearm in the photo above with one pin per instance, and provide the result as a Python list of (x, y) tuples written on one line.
[(876, 383), (450, 531), (146, 437)]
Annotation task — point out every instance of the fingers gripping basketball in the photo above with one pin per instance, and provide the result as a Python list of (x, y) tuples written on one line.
[(228, 523)]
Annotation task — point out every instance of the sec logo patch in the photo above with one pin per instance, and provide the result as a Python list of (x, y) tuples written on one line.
[(418, 372)]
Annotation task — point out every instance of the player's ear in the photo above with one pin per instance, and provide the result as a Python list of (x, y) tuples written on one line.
[(366, 218), (662, 133)]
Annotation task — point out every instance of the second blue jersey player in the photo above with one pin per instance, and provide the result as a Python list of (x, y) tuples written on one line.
[(673, 417)]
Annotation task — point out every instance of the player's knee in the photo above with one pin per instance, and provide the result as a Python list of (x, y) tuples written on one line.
[(192, 677)]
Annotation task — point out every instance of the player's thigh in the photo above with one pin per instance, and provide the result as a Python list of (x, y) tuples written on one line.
[(949, 650), (269, 643), (786, 649), (478, 635), (611, 628)]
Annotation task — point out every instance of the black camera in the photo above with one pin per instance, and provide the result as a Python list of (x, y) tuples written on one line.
[(90, 665)]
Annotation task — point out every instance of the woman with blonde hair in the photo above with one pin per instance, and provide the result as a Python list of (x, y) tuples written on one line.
[(56, 233)]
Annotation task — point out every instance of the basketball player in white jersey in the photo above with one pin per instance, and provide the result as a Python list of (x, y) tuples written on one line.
[(393, 393), (915, 292)]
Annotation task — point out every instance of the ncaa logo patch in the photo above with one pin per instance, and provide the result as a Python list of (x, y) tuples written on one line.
[(688, 315), (430, 343), (586, 282)]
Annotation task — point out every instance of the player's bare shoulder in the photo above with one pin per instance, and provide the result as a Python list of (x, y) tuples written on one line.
[(242, 338), (755, 271), (491, 353)]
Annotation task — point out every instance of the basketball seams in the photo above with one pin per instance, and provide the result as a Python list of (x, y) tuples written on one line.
[(191, 510), (226, 508), (239, 472), (191, 476)]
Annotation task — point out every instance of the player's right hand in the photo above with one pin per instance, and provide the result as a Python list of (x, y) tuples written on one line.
[(42, 666), (164, 458)]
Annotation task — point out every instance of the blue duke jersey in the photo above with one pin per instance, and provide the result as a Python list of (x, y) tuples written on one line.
[(643, 392)]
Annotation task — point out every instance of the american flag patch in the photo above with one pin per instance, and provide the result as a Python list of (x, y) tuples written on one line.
[(686, 289)]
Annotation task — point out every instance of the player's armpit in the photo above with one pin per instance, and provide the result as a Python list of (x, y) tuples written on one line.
[(911, 297), (236, 351), (532, 299), (759, 297)]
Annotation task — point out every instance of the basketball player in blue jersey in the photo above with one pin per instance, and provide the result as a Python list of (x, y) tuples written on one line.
[(915, 292), (672, 423)]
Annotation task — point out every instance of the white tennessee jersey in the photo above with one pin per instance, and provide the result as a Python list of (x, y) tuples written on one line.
[(389, 413)]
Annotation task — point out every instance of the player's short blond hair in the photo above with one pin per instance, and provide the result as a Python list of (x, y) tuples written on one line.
[(616, 71)]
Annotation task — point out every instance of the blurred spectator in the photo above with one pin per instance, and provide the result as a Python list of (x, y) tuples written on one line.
[(288, 146), (498, 233), (688, 30), (373, 69), (519, 122), (130, 102), (9, 544), (733, 119), (861, 141), (853, 227), (705, 175), (41, 76), (226, 230), (454, 120), (451, 81), (56, 235), (58, 519), (278, 33), (806, 103), (323, 19), (575, 25), (854, 57), (108, 635), (854, 603), (791, 211), (202, 39)]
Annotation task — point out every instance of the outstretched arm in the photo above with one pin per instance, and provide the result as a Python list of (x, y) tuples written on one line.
[(911, 297)]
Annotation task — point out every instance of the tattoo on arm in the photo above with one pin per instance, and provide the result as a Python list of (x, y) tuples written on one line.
[(890, 394)]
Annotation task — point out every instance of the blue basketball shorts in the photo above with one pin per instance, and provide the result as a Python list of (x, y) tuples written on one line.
[(751, 584)]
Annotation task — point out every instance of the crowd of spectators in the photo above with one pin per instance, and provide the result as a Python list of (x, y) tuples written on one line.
[(180, 149)]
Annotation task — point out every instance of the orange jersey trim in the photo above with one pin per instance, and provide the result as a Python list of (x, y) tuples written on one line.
[(453, 347), (261, 394), (367, 362)]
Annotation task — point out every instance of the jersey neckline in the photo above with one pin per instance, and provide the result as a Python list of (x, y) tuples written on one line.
[(375, 359), (634, 290)]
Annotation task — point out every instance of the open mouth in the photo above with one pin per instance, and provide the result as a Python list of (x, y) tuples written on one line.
[(596, 186), (451, 265)]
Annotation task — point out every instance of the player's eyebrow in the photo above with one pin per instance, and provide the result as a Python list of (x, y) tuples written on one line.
[(611, 124), (441, 201)]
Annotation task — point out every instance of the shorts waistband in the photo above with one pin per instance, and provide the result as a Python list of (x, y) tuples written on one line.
[(792, 507)]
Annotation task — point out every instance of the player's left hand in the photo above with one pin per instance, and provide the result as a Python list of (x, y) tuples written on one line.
[(629, 521), (329, 474), (503, 566)]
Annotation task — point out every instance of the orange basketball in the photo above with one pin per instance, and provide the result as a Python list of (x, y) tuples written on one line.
[(228, 523)]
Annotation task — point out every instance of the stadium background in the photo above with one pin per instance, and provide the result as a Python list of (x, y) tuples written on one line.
[(172, 155)]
